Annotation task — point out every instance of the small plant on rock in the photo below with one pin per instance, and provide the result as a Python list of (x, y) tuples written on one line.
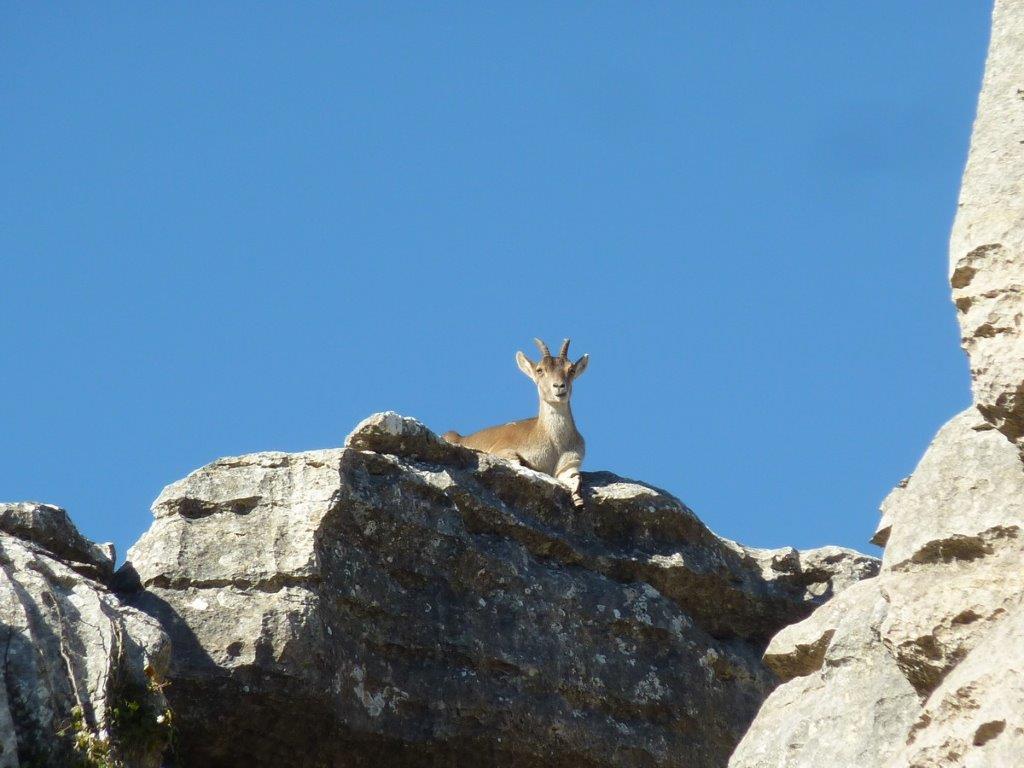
[(136, 728)]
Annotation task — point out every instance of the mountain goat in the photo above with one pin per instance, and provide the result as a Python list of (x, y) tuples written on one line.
[(549, 442)]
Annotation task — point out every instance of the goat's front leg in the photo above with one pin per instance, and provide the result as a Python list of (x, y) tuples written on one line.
[(569, 475)]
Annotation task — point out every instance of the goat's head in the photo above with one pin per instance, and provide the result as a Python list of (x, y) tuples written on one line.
[(552, 375)]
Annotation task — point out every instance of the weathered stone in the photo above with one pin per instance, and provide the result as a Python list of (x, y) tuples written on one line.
[(953, 569), (77, 663), (938, 612), (390, 432), (51, 529), (943, 620), (987, 243), (952, 564), (799, 649), (422, 604), (975, 718), (848, 706), (967, 487)]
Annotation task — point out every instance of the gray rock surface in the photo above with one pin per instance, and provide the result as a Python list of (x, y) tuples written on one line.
[(422, 604), (922, 666), (846, 703), (76, 662), (987, 243), (973, 719), (953, 564)]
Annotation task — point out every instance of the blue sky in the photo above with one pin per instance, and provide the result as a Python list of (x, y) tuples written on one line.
[(228, 228)]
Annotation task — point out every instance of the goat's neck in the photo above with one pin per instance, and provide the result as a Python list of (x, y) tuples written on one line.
[(555, 419)]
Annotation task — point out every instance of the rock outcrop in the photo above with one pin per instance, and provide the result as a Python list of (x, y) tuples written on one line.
[(402, 601), (81, 671), (987, 243), (923, 666)]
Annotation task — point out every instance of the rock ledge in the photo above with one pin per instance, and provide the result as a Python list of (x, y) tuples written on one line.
[(423, 604)]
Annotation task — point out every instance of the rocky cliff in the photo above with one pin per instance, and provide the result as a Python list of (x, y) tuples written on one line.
[(78, 665), (397, 601), (924, 665), (403, 601)]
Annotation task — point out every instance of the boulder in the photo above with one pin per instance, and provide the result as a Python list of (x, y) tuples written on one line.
[(423, 604), (82, 672), (922, 665)]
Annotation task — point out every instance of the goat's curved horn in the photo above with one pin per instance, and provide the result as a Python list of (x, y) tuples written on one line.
[(542, 347), (565, 349)]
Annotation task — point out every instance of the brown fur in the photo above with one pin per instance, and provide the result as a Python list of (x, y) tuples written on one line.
[(548, 442)]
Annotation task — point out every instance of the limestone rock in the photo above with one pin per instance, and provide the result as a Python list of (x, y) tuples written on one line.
[(967, 487), (423, 604), (860, 667), (846, 704), (800, 648), (974, 718), (939, 612), (922, 666), (953, 561), (987, 243), (50, 528), (75, 659)]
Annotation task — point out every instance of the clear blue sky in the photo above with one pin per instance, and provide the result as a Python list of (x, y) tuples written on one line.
[(235, 227)]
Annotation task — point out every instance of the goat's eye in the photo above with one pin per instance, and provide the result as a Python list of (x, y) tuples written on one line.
[(540, 370)]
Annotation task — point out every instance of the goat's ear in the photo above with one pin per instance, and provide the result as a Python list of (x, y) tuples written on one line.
[(526, 366), (580, 366)]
